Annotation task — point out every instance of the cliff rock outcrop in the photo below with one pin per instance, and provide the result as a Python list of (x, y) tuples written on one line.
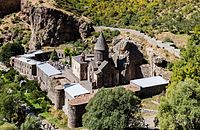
[(9, 6), (52, 27), (127, 57)]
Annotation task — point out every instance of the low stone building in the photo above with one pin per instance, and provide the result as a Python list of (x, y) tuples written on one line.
[(79, 66), (150, 86), (43, 72), (24, 66), (72, 91), (45, 75), (76, 109)]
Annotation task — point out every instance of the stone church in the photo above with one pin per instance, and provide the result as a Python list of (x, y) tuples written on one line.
[(102, 70), (107, 67)]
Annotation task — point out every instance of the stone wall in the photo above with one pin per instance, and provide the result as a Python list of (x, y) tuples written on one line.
[(142, 37), (79, 68), (151, 91), (156, 69), (59, 97), (75, 114), (24, 67), (143, 71), (76, 67), (8, 7)]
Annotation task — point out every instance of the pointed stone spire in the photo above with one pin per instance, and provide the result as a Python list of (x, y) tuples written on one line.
[(101, 49), (101, 44)]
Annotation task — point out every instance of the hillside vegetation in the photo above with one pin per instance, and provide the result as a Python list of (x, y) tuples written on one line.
[(177, 16)]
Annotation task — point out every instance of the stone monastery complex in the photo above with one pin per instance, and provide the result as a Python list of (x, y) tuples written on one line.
[(71, 87)]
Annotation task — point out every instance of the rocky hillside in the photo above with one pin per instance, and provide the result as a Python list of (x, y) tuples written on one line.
[(150, 16), (9, 6), (42, 24)]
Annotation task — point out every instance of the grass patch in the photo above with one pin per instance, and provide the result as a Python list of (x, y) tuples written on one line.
[(56, 117), (151, 103)]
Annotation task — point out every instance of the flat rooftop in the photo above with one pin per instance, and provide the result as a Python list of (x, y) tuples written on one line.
[(32, 54), (27, 60), (149, 82), (75, 89), (48, 69), (83, 99)]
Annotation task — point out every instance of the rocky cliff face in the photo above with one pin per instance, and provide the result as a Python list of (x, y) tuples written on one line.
[(127, 57), (53, 27), (9, 6)]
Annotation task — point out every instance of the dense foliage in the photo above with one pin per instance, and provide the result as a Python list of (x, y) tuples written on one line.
[(31, 123), (113, 109), (180, 108), (10, 49), (19, 97), (178, 16), (189, 65), (54, 56), (8, 126)]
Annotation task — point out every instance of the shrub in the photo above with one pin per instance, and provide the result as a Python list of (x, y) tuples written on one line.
[(167, 39)]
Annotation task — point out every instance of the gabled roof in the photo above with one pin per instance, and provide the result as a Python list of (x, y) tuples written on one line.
[(103, 64), (150, 82), (48, 69), (101, 43)]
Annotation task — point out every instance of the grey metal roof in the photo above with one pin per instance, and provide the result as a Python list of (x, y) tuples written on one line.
[(48, 69), (150, 81), (101, 43), (32, 54), (26, 60), (75, 89)]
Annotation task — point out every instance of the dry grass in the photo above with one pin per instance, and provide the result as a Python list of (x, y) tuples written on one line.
[(151, 103), (56, 117), (179, 40)]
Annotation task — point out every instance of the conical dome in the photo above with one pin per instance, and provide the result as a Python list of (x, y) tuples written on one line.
[(101, 43)]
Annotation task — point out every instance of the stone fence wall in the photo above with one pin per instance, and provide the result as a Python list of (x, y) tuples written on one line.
[(151, 41)]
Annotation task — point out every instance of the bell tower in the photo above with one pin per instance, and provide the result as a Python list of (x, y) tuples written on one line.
[(101, 49)]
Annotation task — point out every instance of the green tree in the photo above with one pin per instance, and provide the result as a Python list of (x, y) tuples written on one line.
[(67, 51), (113, 109), (10, 49), (54, 56), (10, 107), (10, 75), (189, 65), (11, 104), (31, 123), (180, 108)]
